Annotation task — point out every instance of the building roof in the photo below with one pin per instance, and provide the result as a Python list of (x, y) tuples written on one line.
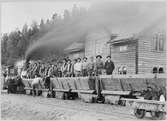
[(122, 39), (74, 47), (131, 37)]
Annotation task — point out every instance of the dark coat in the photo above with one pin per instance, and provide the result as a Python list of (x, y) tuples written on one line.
[(109, 66)]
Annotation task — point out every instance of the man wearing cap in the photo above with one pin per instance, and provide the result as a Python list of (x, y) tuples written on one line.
[(84, 66), (109, 66), (98, 65)]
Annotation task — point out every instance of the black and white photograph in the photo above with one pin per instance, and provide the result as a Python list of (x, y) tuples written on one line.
[(82, 60)]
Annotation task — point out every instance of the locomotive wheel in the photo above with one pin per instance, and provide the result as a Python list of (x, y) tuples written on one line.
[(158, 115), (139, 113)]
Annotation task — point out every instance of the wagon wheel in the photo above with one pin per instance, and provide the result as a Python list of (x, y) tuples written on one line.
[(158, 115), (122, 102), (100, 99), (65, 96), (139, 113)]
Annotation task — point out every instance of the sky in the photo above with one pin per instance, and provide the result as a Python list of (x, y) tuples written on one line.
[(121, 18), (16, 14), (118, 17)]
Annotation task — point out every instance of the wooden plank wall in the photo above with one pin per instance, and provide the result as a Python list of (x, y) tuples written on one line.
[(76, 55), (148, 57), (127, 58), (96, 43)]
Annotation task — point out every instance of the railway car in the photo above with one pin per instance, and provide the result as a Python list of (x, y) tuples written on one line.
[(157, 109)]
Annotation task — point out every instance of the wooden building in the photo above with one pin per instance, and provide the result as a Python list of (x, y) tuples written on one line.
[(75, 50), (124, 54), (143, 52), (96, 43)]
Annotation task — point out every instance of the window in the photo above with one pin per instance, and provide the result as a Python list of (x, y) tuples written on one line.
[(123, 48), (155, 70), (161, 70), (161, 42), (155, 42), (158, 42)]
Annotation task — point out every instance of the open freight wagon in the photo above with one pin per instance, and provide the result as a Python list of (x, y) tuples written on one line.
[(104, 88), (112, 89)]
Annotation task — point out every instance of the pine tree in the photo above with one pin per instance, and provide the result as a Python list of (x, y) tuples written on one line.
[(4, 51), (66, 15), (41, 24)]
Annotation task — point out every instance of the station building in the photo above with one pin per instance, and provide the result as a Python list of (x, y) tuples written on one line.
[(142, 52)]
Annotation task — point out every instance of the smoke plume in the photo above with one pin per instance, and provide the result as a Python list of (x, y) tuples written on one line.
[(117, 17)]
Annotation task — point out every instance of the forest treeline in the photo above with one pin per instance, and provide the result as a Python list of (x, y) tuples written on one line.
[(15, 43)]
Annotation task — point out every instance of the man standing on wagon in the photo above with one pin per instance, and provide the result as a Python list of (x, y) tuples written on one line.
[(69, 68), (64, 68), (98, 65), (78, 68), (90, 67), (109, 66), (84, 67)]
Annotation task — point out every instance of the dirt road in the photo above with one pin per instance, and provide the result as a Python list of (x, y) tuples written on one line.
[(38, 108)]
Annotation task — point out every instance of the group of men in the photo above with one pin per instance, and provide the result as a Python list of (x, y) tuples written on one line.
[(72, 68), (84, 67), (41, 69)]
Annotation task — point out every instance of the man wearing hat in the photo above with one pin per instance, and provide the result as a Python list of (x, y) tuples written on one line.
[(72, 67), (78, 68), (98, 65), (109, 66), (64, 67), (90, 67), (59, 69), (84, 66), (69, 68)]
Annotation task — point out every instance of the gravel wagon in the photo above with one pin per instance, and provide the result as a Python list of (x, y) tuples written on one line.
[(157, 109)]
